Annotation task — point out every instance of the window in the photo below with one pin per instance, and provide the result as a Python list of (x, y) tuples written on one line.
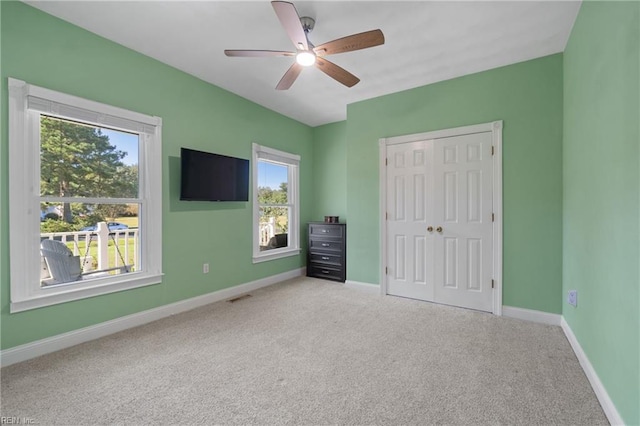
[(85, 197), (275, 204)]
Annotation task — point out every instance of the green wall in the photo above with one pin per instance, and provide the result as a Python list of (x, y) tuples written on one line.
[(601, 195), (528, 97), (49, 52), (330, 171)]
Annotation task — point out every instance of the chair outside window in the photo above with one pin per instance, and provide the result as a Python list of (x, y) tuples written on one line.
[(64, 267)]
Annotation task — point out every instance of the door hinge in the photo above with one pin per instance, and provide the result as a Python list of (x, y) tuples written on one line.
[(493, 150), (493, 283), (386, 215), (493, 217), (386, 270), (386, 161)]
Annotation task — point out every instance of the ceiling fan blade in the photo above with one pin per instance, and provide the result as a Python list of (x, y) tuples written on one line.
[(291, 22), (353, 42), (289, 77), (257, 53), (339, 74)]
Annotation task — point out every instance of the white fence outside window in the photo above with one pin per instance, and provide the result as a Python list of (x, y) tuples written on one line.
[(121, 239), (267, 231)]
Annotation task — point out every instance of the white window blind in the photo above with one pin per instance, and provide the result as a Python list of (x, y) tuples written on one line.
[(49, 107), (266, 153)]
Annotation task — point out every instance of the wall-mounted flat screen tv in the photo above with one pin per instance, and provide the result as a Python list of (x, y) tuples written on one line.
[(206, 176)]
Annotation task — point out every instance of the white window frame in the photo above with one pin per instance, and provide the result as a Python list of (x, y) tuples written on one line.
[(26, 104), (292, 161)]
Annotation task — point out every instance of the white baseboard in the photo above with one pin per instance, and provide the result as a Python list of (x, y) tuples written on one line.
[(531, 315), (601, 393), (75, 337), (372, 288)]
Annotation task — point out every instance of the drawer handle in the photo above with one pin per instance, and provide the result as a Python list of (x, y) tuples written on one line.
[(325, 244), (324, 271), (324, 231), (325, 258)]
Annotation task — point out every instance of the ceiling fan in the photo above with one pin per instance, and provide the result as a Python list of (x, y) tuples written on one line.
[(306, 53)]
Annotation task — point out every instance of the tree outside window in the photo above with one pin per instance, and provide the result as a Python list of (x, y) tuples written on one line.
[(78, 161)]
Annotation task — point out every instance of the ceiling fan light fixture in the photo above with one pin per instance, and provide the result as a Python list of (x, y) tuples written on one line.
[(306, 58)]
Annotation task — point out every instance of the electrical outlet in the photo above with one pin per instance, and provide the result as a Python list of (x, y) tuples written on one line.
[(572, 297), (205, 268)]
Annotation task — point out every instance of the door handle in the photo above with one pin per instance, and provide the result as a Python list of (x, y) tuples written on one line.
[(439, 229), (430, 228)]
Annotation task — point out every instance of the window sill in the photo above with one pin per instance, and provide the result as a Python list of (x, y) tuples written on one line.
[(43, 299), (276, 254)]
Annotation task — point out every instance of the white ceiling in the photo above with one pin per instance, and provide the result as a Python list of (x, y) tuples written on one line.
[(426, 42)]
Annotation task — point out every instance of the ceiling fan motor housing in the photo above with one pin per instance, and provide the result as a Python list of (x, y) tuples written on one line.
[(307, 24)]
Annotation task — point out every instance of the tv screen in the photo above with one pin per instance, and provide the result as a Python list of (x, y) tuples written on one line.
[(212, 177)]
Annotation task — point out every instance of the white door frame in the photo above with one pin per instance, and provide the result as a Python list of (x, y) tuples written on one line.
[(496, 128)]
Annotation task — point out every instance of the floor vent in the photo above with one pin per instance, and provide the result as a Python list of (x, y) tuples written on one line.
[(235, 299)]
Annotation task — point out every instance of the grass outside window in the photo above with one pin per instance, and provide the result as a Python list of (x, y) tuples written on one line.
[(127, 247)]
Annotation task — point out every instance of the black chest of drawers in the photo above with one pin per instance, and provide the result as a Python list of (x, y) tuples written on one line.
[(327, 252)]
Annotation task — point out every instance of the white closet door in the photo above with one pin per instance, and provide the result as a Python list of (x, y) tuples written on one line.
[(463, 170), (439, 225), (410, 246)]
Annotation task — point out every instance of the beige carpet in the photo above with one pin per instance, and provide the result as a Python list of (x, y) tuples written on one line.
[(309, 351)]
